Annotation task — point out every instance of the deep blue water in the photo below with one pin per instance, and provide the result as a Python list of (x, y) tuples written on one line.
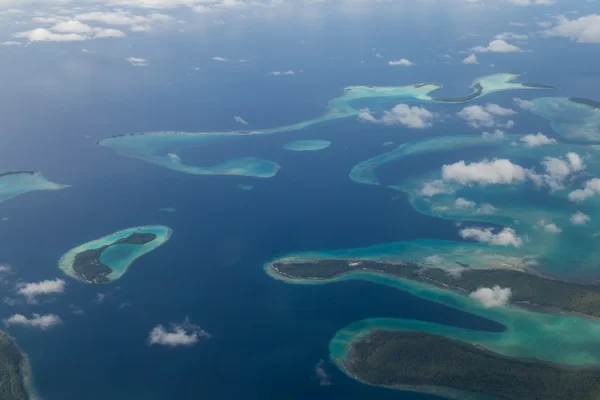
[(267, 336)]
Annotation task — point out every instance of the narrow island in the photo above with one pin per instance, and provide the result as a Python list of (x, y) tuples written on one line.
[(15, 381), (107, 259), (529, 289), (586, 102), (435, 364)]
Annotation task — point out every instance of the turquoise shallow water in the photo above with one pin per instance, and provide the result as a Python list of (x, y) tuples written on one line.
[(14, 184), (307, 145)]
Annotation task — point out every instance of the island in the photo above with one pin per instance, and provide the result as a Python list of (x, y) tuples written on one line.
[(15, 381), (15, 183), (478, 90), (529, 289), (435, 364), (106, 259), (307, 145), (587, 102)]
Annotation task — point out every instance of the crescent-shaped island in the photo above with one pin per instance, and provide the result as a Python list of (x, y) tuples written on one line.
[(106, 259)]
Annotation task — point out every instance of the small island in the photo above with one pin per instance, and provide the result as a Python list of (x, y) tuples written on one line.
[(528, 288), (15, 382), (435, 364), (307, 145), (15, 183), (106, 259)]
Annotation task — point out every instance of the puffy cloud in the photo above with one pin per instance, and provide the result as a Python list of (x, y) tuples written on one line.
[(137, 61), (535, 140), (524, 104), (499, 171), (591, 188), (584, 29), (184, 334), (321, 374), (221, 59), (497, 46), (402, 114), (551, 228), (34, 289), (45, 35), (506, 237), (464, 203), (37, 321), (492, 297), (433, 188), (240, 120), (403, 62), (174, 157), (478, 116), (496, 135), (472, 59), (279, 73), (71, 26), (580, 218)]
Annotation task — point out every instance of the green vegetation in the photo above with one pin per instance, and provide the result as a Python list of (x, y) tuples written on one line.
[(591, 103), (526, 288), (90, 269), (11, 370), (478, 90), (420, 360)]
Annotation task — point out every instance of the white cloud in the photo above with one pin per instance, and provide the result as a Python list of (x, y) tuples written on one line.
[(174, 157), (34, 289), (538, 139), (511, 36), (591, 188), (37, 321), (557, 170), (279, 73), (403, 62), (492, 297), (496, 135), (402, 114), (464, 203), (497, 46), (499, 171), (71, 26), (506, 237), (532, 2), (109, 33), (10, 43), (472, 59), (137, 61), (524, 104), (221, 59), (433, 188), (478, 116), (240, 120), (580, 218), (121, 17), (184, 334), (584, 29), (45, 35), (551, 228)]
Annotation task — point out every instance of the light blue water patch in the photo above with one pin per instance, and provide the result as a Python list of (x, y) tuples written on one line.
[(13, 184), (569, 119), (167, 209), (152, 146), (307, 145), (245, 187)]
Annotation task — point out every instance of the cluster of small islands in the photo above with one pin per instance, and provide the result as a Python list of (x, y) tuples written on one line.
[(562, 315)]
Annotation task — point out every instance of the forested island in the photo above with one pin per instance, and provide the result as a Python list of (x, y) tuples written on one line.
[(478, 90), (89, 267), (528, 289), (432, 363), (14, 370)]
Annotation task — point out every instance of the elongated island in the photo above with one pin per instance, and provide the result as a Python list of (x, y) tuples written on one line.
[(15, 381), (107, 259)]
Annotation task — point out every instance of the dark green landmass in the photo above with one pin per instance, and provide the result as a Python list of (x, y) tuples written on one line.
[(527, 288), (591, 103), (12, 365), (537, 86), (478, 90), (419, 360), (88, 266), (17, 173)]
